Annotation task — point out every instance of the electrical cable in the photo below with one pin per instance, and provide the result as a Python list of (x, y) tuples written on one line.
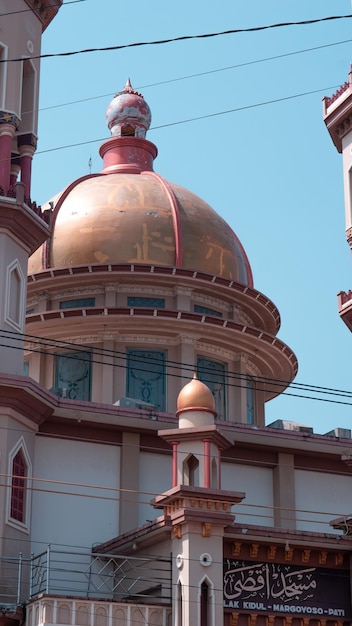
[(59, 4), (204, 379), (60, 344), (198, 118), (197, 75), (110, 498), (182, 38), (149, 449)]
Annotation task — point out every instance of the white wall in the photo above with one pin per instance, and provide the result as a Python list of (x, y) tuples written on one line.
[(320, 498), (257, 483), (88, 516), (155, 478)]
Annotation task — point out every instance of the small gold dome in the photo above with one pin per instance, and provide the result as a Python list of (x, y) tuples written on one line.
[(195, 395)]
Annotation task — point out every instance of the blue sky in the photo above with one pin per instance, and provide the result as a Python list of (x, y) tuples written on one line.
[(271, 171)]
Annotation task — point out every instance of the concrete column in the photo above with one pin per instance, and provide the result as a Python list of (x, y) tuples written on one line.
[(284, 491), (187, 358), (7, 132), (15, 170), (129, 480), (197, 558), (26, 156), (107, 374), (110, 294), (238, 411), (183, 298)]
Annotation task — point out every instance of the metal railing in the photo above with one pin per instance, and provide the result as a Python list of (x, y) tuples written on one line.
[(85, 574), (12, 572)]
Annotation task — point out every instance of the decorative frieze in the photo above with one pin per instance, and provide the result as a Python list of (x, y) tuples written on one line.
[(211, 302), (236, 549), (242, 316), (272, 553), (147, 339), (9, 118), (217, 350), (206, 529), (306, 556), (94, 289), (253, 550), (190, 340), (323, 557), (147, 289), (183, 291)]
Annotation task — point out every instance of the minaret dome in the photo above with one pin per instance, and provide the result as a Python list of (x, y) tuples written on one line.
[(128, 114)]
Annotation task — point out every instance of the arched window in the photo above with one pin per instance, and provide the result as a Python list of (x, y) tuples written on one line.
[(191, 471), (14, 295), (179, 607), (73, 375), (204, 604), (146, 379), (213, 374), (214, 475), (18, 487), (18, 505)]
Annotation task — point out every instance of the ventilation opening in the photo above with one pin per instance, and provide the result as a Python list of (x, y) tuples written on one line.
[(128, 131)]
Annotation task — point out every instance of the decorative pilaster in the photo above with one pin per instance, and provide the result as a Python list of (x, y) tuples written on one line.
[(8, 125), (27, 145)]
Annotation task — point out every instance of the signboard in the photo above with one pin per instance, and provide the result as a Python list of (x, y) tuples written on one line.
[(280, 588)]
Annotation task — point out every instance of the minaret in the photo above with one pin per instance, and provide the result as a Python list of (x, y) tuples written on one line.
[(337, 113), (23, 227), (198, 509)]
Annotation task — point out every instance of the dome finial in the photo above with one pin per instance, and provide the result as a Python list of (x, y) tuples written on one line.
[(129, 89), (128, 114)]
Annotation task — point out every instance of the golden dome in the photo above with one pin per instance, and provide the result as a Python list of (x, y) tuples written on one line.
[(130, 214), (195, 395), (129, 218)]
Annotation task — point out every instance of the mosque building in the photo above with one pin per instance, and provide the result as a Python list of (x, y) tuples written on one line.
[(140, 483)]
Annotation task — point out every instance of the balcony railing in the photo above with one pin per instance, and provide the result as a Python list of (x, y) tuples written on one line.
[(85, 575)]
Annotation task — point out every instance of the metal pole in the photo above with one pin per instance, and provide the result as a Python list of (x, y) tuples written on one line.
[(47, 567), (31, 575), (19, 578)]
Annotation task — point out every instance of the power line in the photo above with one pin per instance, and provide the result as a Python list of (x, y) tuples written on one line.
[(229, 461), (262, 383), (200, 117), (267, 509), (182, 38), (51, 6), (104, 352), (197, 75)]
